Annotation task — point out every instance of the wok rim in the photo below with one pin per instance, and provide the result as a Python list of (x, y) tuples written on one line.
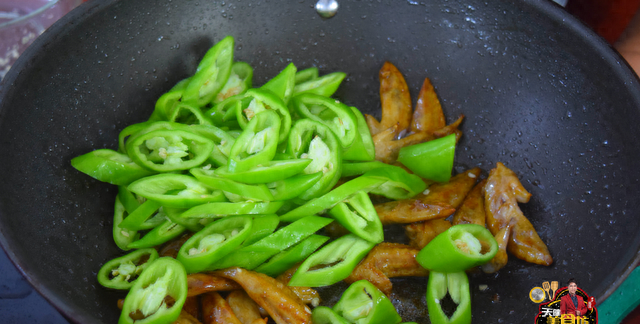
[(52, 34), (87, 9)]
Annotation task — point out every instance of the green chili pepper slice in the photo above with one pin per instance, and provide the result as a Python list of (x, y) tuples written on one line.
[(239, 81), (221, 209), (332, 198), (175, 190), (158, 235), (187, 114), (146, 301), (136, 130), (214, 242), (122, 237), (400, 184), (256, 101), (267, 172), (223, 142), (358, 215), (313, 140), (235, 133), (232, 109), (326, 315), (431, 160), (139, 129), (249, 257), (352, 169), (292, 187), (363, 303), (208, 177), (333, 263), (155, 220), (283, 83), (168, 101), (286, 259), (212, 73), (137, 220), (218, 113), (169, 150), (456, 284), (325, 85), (459, 248), (234, 198), (211, 132), (109, 166), (263, 226), (128, 199), (330, 112), (362, 148), (289, 205), (257, 144), (121, 273), (306, 75), (192, 224)]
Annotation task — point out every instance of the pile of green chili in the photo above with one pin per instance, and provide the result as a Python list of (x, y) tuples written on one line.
[(251, 172)]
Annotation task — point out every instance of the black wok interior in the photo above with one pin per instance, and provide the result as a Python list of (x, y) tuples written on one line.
[(540, 93)]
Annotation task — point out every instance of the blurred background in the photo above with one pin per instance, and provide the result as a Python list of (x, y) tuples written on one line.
[(22, 21)]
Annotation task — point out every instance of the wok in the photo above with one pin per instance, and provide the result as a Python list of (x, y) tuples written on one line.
[(541, 93)]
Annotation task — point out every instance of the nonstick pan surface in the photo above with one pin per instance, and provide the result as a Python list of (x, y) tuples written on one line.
[(540, 92)]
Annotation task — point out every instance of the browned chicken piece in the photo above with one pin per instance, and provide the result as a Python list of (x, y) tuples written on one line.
[(472, 209), (200, 283), (272, 295), (421, 233), (453, 192), (502, 193), (245, 308), (263, 312), (427, 116), (439, 201), (411, 210), (192, 306), (308, 295), (373, 123), (172, 248), (450, 129), (501, 258), (216, 310), (388, 260), (186, 318), (395, 99), (381, 141), (387, 149)]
